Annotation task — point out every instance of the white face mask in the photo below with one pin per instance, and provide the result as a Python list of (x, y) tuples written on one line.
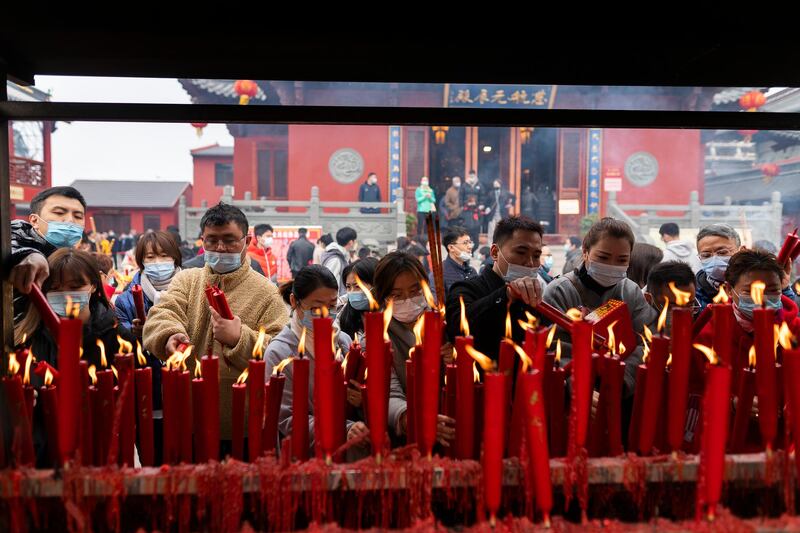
[(267, 242), (408, 310), (465, 256), (606, 275), (517, 271)]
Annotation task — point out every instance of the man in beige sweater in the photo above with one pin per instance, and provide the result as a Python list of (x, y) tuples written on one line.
[(184, 316)]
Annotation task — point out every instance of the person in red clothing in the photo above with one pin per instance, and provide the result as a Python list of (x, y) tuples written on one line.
[(260, 249)]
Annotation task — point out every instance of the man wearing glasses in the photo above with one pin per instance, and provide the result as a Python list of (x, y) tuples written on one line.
[(183, 314), (456, 266)]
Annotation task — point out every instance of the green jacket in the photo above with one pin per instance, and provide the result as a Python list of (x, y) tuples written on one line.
[(425, 204)]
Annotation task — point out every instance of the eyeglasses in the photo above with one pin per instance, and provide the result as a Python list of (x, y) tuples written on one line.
[(212, 243), (465, 243), (719, 253)]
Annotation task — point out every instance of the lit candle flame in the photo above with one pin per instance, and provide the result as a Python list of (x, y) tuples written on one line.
[(574, 314), (13, 364), (785, 337), (116, 374), (751, 357), (550, 336), (476, 375), (645, 349), (669, 360), (708, 352), (301, 346), (662, 318), (612, 339), (24, 338), (776, 333), (419, 327), (93, 374), (464, 322), (426, 289), (622, 349), (366, 373), (648, 334), (198, 373), (757, 289), (412, 352), (532, 320), (558, 351), (139, 355), (373, 304), (681, 297), (48, 378), (486, 363), (102, 347), (26, 378), (242, 377), (124, 346), (509, 331), (280, 366), (721, 297), (258, 348), (526, 360), (72, 310), (387, 318), (524, 325)]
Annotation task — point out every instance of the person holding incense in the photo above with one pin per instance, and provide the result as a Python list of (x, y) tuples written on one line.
[(602, 276), (351, 317), (57, 220), (184, 315), (399, 278), (510, 284), (313, 291)]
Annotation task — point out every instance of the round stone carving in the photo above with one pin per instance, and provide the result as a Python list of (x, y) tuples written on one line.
[(346, 165), (641, 168)]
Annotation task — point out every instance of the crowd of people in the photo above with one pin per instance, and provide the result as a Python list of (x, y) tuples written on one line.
[(514, 275)]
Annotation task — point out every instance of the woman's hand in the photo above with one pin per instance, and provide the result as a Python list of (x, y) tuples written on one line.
[(445, 430), (358, 430)]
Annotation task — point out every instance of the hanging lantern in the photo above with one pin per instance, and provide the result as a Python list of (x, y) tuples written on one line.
[(747, 135), (246, 89), (525, 134), (198, 127), (752, 100), (441, 133), (769, 171)]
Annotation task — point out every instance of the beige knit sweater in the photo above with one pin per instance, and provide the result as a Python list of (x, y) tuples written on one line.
[(184, 309)]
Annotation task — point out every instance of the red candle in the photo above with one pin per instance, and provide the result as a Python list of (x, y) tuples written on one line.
[(198, 407), (221, 303), (598, 430), (87, 433), (478, 418), (48, 395), (255, 413), (556, 391), (791, 376), (465, 396), (612, 391), (450, 393), (494, 432), (138, 302), (69, 389), (538, 454), (20, 421), (210, 369), (169, 402), (341, 401), (681, 336), (237, 420), (353, 364), (506, 361), (104, 414), (744, 405), (428, 377), (411, 398), (787, 249), (274, 393), (716, 403), (325, 383), (300, 374), (536, 345), (209, 290), (766, 382), (378, 406), (582, 379), (653, 392), (124, 364), (722, 315), (517, 426), (183, 412), (143, 377)]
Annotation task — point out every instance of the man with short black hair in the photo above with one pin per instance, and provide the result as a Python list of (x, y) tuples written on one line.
[(511, 285), (260, 250), (370, 192), (337, 254), (676, 249), (300, 253), (659, 278), (456, 266)]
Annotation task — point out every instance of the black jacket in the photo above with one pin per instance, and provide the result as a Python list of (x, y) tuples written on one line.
[(300, 254), (506, 200), (486, 301), (453, 272), (466, 190), (25, 241)]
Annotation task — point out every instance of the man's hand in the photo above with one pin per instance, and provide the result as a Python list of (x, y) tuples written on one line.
[(174, 341), (358, 430), (32, 269), (226, 331), (445, 430), (446, 352), (354, 397), (137, 327), (526, 289), (786, 279)]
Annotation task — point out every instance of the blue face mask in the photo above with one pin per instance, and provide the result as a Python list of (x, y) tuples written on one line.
[(223, 262), (358, 300), (714, 268), (746, 304), (63, 234), (58, 301), (160, 272), (548, 263), (308, 319)]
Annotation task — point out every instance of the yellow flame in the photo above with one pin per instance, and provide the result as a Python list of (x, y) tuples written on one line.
[(426, 289), (387, 318), (551, 336), (373, 304), (366, 373), (708, 352), (301, 346), (72, 309), (648, 334), (558, 351), (574, 314), (751, 356), (419, 327), (526, 361), (464, 322), (242, 377), (93, 374), (669, 360), (198, 373), (785, 337), (721, 297), (26, 378), (124, 346), (13, 364), (645, 349), (524, 325), (103, 360), (476, 375), (612, 339), (48, 378), (485, 362), (509, 330), (139, 355), (662, 318), (532, 320), (24, 338), (258, 348), (114, 370), (280, 366), (323, 311), (174, 360), (681, 297), (622, 349), (757, 289), (412, 352)]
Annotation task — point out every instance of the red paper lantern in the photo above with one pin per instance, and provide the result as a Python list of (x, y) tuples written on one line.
[(752, 100), (198, 126), (246, 89), (769, 171), (747, 134)]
